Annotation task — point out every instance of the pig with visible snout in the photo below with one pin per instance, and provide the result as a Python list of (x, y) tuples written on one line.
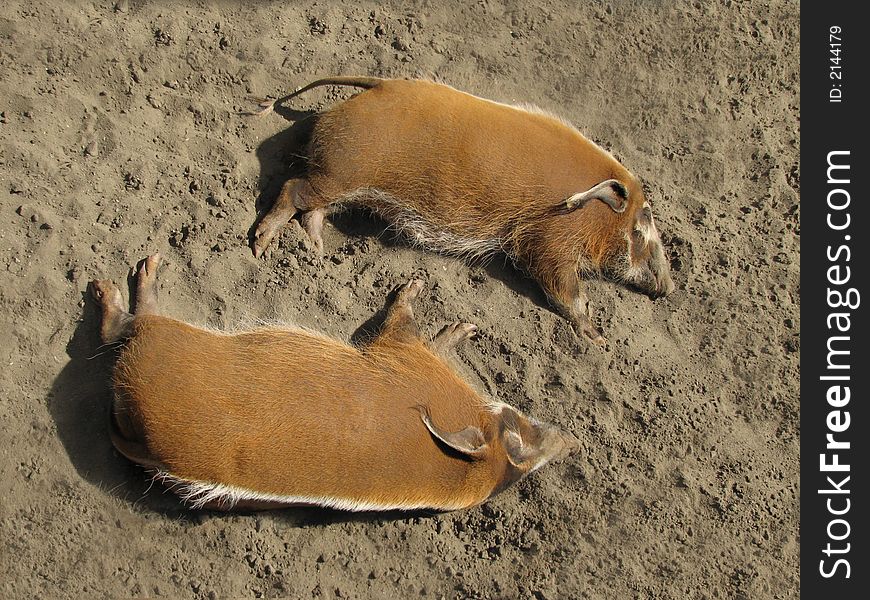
[(467, 176), (286, 417)]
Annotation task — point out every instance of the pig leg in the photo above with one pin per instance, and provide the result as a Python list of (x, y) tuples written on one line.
[(452, 335), (146, 286), (294, 194), (116, 321), (312, 222), (565, 291), (400, 324)]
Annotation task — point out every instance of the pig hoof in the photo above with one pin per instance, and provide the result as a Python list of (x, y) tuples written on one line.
[(312, 223), (452, 335), (408, 292), (263, 236), (463, 331), (106, 293), (146, 275), (595, 336), (599, 340), (591, 332), (148, 269)]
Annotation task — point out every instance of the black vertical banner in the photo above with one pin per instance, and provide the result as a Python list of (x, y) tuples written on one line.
[(835, 299)]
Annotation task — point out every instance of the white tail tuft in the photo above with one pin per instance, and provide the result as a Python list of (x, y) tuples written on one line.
[(266, 106)]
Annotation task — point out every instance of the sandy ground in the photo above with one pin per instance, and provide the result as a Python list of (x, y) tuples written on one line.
[(120, 135)]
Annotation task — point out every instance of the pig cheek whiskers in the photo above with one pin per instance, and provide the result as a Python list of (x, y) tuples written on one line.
[(636, 263)]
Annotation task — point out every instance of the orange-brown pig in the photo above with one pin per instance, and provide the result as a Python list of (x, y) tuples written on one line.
[(470, 177), (284, 416)]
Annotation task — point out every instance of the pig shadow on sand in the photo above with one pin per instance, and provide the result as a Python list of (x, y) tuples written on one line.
[(356, 223), (281, 157), (79, 403)]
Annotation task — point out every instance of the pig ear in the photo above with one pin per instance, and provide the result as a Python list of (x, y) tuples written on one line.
[(469, 441), (517, 452), (611, 192)]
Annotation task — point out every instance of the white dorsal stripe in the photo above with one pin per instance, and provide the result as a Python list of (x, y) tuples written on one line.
[(198, 494)]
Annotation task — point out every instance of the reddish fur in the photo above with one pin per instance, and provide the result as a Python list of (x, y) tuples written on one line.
[(473, 167), (290, 412), (477, 170), (238, 409)]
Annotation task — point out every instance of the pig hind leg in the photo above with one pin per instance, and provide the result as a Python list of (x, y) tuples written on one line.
[(295, 195), (115, 323), (145, 274), (452, 335), (312, 222)]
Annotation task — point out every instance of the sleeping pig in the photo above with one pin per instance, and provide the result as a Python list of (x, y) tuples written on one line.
[(470, 177), (281, 416)]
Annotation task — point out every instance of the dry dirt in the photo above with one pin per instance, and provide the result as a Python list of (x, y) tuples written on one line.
[(120, 134)]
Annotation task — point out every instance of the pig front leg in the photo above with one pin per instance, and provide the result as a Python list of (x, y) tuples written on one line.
[(451, 335), (565, 291), (400, 324)]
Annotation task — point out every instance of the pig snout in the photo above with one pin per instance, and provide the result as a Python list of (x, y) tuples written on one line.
[(663, 285), (564, 444), (571, 445)]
